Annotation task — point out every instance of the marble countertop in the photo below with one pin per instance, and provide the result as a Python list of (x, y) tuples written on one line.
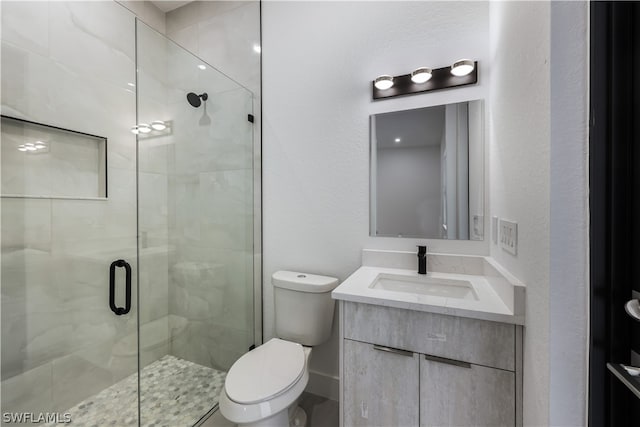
[(499, 297)]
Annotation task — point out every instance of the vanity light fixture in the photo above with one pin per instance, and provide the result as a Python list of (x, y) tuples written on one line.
[(421, 75), (424, 79), (383, 82), (154, 129), (462, 67), (33, 147), (158, 125)]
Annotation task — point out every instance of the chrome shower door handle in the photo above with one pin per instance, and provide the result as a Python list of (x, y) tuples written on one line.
[(118, 311)]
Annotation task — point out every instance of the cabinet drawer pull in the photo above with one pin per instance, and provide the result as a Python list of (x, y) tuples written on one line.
[(448, 361), (393, 350)]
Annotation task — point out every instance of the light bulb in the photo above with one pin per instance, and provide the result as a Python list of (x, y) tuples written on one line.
[(144, 128), (397, 140), (383, 82), (135, 130), (421, 75), (202, 67), (462, 67), (158, 125)]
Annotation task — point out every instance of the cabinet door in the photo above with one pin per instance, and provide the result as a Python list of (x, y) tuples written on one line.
[(381, 386), (465, 395)]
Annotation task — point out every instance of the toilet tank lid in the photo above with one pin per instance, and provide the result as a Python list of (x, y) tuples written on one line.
[(303, 282)]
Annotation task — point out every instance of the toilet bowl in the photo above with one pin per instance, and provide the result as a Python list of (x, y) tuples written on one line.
[(263, 384), (263, 387)]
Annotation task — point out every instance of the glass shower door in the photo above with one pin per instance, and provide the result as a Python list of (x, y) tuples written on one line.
[(126, 260), (68, 211), (195, 195)]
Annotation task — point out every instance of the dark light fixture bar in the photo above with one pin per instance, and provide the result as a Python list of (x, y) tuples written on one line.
[(441, 78)]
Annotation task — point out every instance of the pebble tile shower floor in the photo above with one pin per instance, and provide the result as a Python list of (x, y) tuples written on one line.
[(174, 393)]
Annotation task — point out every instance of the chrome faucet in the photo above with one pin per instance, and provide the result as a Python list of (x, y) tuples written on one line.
[(422, 260)]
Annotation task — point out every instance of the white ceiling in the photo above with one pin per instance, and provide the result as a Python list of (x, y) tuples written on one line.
[(168, 6)]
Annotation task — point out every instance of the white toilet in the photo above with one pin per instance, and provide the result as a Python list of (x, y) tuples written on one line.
[(263, 386)]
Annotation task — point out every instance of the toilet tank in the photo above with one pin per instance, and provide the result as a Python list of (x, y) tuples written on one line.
[(303, 306)]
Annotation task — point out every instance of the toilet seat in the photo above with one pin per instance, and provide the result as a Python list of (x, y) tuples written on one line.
[(265, 372)]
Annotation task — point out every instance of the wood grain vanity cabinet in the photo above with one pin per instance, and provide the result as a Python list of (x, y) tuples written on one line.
[(412, 368), (383, 386)]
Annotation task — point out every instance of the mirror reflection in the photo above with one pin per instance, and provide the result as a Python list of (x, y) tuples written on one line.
[(427, 172)]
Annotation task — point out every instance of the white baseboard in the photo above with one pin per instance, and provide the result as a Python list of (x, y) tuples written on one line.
[(324, 385)]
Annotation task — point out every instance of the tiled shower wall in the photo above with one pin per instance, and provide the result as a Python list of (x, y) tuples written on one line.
[(213, 274), (68, 64), (72, 65), (199, 203), (212, 223)]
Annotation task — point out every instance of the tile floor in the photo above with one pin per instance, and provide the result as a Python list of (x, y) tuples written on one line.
[(175, 393), (321, 412)]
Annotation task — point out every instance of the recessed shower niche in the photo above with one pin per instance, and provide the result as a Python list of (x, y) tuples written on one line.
[(48, 161)]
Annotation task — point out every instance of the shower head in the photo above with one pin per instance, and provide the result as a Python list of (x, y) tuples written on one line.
[(194, 99)]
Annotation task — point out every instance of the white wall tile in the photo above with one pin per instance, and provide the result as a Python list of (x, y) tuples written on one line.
[(26, 223), (68, 65), (76, 75), (93, 39), (226, 212), (153, 204), (227, 41), (34, 36), (29, 392), (75, 378), (147, 12), (153, 284), (187, 38), (44, 91)]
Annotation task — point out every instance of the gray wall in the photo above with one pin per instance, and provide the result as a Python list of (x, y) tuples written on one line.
[(409, 191)]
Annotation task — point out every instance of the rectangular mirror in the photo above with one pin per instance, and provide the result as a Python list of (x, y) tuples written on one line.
[(427, 172)]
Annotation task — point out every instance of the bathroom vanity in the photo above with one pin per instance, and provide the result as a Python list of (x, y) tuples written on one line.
[(430, 350)]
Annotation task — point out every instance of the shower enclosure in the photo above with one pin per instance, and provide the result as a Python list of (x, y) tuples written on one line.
[(127, 221)]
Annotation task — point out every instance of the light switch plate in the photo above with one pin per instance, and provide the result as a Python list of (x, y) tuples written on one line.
[(494, 229), (509, 236)]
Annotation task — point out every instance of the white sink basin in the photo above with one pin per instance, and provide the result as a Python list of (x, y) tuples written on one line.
[(437, 287)]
